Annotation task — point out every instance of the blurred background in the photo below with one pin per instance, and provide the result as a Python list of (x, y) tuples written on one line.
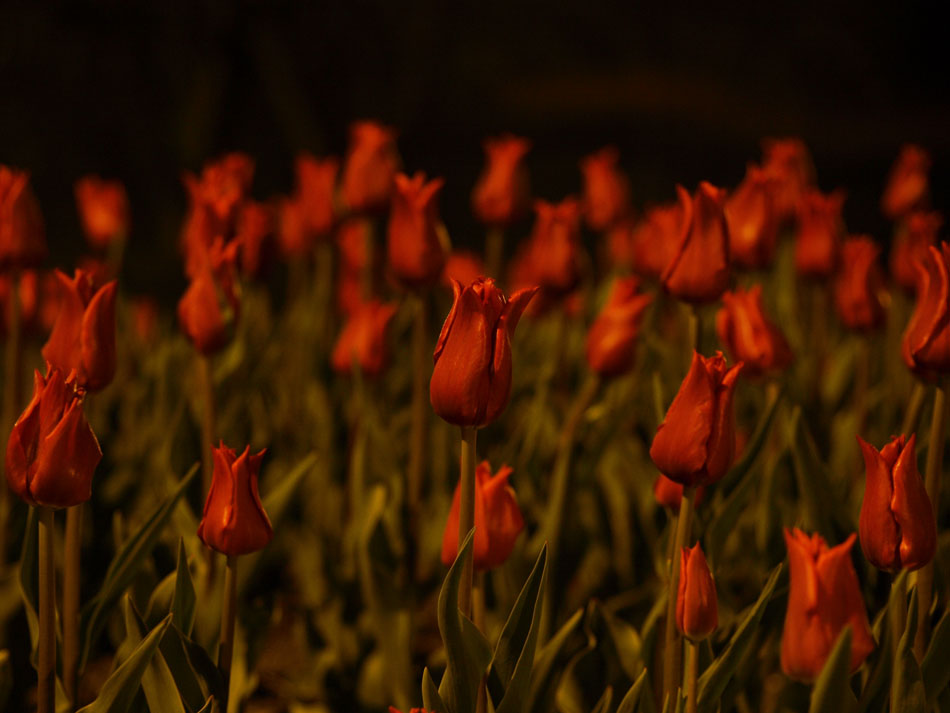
[(140, 91)]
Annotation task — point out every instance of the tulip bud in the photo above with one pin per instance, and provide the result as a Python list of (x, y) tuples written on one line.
[(363, 340), (925, 346), (749, 335), (669, 494), (416, 254), (916, 233), (370, 167), (789, 165), (697, 610), (234, 521), (655, 240), (83, 336), (606, 189), (753, 220), (316, 184), (295, 239), (908, 185), (103, 210), (208, 310), (498, 520), (859, 286), (820, 228), (502, 194), (22, 238), (823, 598), (612, 337), (695, 444), (471, 379), (52, 452)]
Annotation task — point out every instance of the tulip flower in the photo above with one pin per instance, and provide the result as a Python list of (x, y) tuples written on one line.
[(28, 299), (502, 194), (823, 598), (234, 521), (83, 337), (22, 238), (471, 379), (699, 269), (788, 163), (753, 220), (363, 340), (669, 494), (619, 243), (103, 210), (52, 452), (925, 346), (255, 226), (695, 444), (697, 610), (908, 185), (144, 315), (606, 189), (208, 310), (370, 167), (655, 240), (498, 520), (859, 286), (293, 236), (897, 525), (820, 229), (916, 233), (554, 249), (463, 267), (612, 337), (749, 335), (416, 254), (316, 185)]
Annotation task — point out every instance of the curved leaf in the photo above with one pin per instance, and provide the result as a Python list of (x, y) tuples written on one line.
[(629, 702), (907, 686), (830, 692), (934, 668)]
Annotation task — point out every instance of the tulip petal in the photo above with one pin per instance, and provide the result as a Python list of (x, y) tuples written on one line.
[(880, 536), (97, 338), (913, 511), (66, 461), (63, 349), (721, 447)]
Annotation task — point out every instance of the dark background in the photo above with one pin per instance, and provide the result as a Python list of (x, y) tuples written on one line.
[(140, 91)]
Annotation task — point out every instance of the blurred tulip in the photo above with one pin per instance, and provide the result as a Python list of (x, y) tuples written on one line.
[(372, 161), (144, 317), (416, 254), (295, 240), (315, 189), (363, 340), (463, 267), (669, 494), (697, 608), (820, 230), (619, 243), (103, 210), (699, 269), (859, 286), (606, 189), (925, 346), (788, 163), (655, 240), (611, 339), (555, 246), (908, 185), (22, 237), (502, 194), (753, 220), (749, 335), (255, 227), (208, 310), (28, 301), (916, 233)]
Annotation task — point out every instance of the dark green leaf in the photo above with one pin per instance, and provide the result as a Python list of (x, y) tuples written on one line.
[(830, 692), (753, 446), (552, 660), (603, 705), (183, 603), (934, 668), (907, 686), (811, 477), (158, 684), (629, 702), (431, 700)]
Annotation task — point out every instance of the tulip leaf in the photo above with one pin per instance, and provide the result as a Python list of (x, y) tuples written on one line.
[(125, 565), (431, 700), (875, 688), (158, 683), (713, 682), (626, 641), (29, 579), (603, 705), (754, 445), (629, 702), (195, 674), (829, 694), (553, 659), (907, 686), (811, 477), (934, 669), (183, 603)]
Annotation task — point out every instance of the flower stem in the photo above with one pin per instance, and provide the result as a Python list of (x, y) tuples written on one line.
[(695, 329), (206, 391), (898, 615), (692, 675), (11, 392), (914, 407), (46, 668), (494, 252), (71, 602), (228, 615), (672, 651), (467, 513), (419, 435)]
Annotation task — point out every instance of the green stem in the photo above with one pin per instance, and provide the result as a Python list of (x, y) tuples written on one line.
[(695, 329), (672, 651), (914, 407), (206, 392), (494, 252), (46, 665), (419, 434), (71, 602), (467, 513), (228, 616), (692, 676), (898, 615)]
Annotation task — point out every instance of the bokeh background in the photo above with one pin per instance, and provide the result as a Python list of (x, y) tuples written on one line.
[(142, 90)]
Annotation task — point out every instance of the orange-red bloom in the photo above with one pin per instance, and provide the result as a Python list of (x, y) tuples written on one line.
[(656, 238), (925, 346), (234, 522), (22, 238), (554, 249), (208, 310), (606, 189), (669, 494), (83, 337), (697, 608), (748, 334), (789, 164), (471, 380), (255, 226), (915, 234), (612, 337), (859, 286), (372, 161), (295, 240), (897, 526), (908, 185), (316, 185), (820, 229), (363, 340), (498, 520), (28, 300), (695, 445), (753, 220), (502, 194), (103, 210), (52, 452), (823, 598), (416, 254), (699, 269)]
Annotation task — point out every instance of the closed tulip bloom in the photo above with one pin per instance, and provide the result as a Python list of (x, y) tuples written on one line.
[(753, 220), (296, 241), (916, 233), (697, 608), (234, 522), (555, 246), (255, 228), (226, 182), (462, 266), (606, 189), (498, 520), (611, 339), (52, 452), (502, 194), (83, 336), (823, 598), (897, 526), (669, 494), (908, 185), (103, 210), (28, 300), (471, 379), (208, 311), (699, 269), (695, 445), (859, 285), (22, 237), (788, 163), (416, 254), (925, 346), (316, 186), (749, 335), (820, 230), (362, 341), (619, 243), (372, 161), (655, 239)]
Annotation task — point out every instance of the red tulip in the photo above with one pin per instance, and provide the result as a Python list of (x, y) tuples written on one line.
[(789, 164), (554, 247), (363, 340), (208, 310), (606, 189), (669, 494), (908, 185), (372, 161), (28, 299), (820, 229), (145, 315), (316, 185), (295, 239), (255, 227), (463, 267), (234, 522), (471, 380), (22, 238), (823, 598), (916, 233), (498, 520), (926, 343), (859, 286), (655, 240), (52, 452), (502, 194), (612, 337), (416, 253), (619, 242), (753, 220), (697, 609), (748, 334), (103, 209)]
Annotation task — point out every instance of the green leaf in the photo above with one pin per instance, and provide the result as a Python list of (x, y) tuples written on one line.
[(830, 692), (934, 668), (874, 692), (553, 658), (603, 705), (907, 686), (183, 603), (811, 476), (159, 686), (196, 676), (629, 702), (276, 501), (28, 580), (753, 446), (431, 700), (626, 641)]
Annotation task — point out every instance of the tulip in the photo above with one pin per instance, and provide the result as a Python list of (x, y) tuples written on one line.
[(553, 253), (669, 494), (897, 525), (908, 185), (208, 310), (498, 520), (393, 709), (103, 209), (655, 240), (316, 184), (363, 340), (502, 194), (52, 452), (294, 238), (697, 611), (788, 163), (234, 521), (471, 379), (463, 267), (255, 226), (619, 243), (820, 228), (416, 253), (22, 238), (370, 167), (612, 337), (749, 335), (28, 299), (606, 189), (695, 444), (916, 233), (144, 315), (753, 220), (859, 286), (823, 598), (83, 337), (699, 269), (925, 346)]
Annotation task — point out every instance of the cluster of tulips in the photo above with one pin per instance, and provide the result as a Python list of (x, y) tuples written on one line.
[(713, 263)]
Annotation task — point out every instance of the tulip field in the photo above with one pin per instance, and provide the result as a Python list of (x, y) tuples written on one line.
[(610, 458)]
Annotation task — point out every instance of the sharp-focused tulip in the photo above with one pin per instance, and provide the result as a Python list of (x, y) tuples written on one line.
[(669, 494), (315, 189), (823, 598), (926, 343), (362, 341), (859, 286), (372, 161), (103, 210), (234, 522), (655, 239), (83, 337), (208, 310), (471, 379), (908, 185), (52, 452), (753, 220), (606, 189), (749, 335), (22, 238), (462, 266), (502, 194), (697, 608), (611, 339), (699, 269), (416, 254), (255, 227), (916, 233), (788, 163), (695, 445), (498, 520), (897, 526), (820, 230)]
